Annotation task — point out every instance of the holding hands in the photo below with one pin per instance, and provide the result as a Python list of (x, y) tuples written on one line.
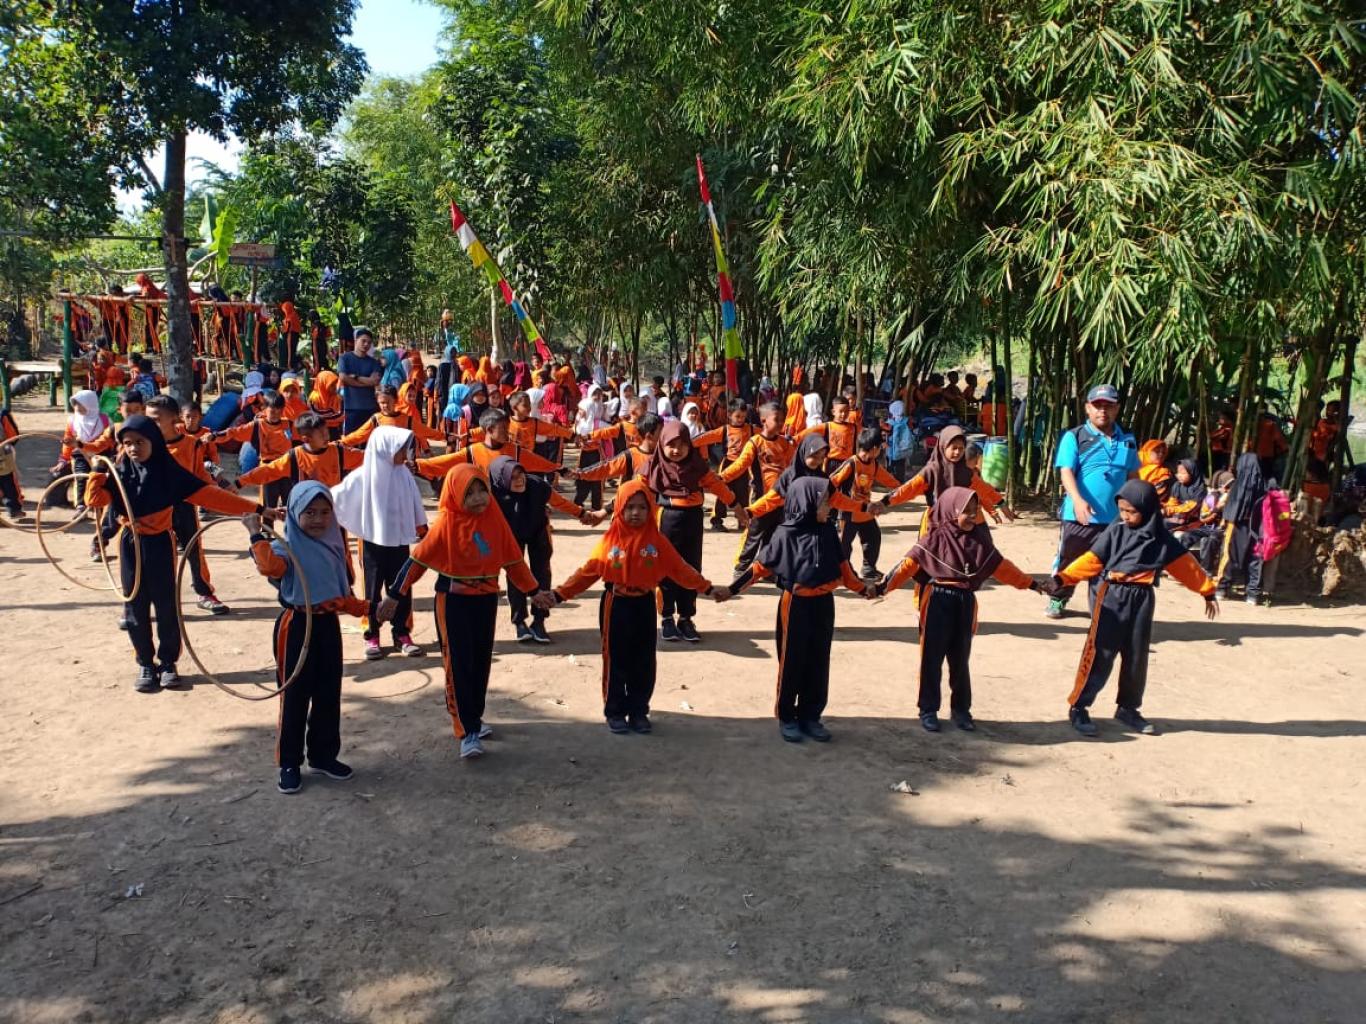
[(386, 610), (544, 600)]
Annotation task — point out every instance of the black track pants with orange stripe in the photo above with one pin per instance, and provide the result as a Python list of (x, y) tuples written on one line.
[(756, 535), (1121, 626), (947, 618), (378, 567), (805, 628), (683, 528), (185, 524), (310, 710), (465, 624), (628, 654), (155, 596)]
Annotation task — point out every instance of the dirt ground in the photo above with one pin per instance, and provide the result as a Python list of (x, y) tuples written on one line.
[(150, 872)]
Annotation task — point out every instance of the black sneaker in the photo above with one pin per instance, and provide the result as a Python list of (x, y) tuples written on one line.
[(929, 720), (816, 731), (963, 720), (538, 632), (791, 731), (618, 726), (123, 622), (871, 574), (291, 781), (170, 679), (1081, 721), (718, 525), (668, 631), (1135, 721), (147, 680), (640, 724), (333, 769), (523, 634), (688, 631)]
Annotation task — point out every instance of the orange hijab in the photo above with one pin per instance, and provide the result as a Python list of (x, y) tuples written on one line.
[(463, 546), (324, 396), (1151, 468), (631, 556), (487, 372), (795, 422), (294, 404)]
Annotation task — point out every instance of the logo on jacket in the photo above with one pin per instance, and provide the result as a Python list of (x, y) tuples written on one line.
[(616, 556), (648, 554), (481, 544)]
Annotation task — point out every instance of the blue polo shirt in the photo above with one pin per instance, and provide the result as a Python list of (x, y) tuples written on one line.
[(1100, 470)]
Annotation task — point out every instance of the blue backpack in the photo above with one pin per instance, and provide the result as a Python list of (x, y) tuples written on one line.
[(899, 439)]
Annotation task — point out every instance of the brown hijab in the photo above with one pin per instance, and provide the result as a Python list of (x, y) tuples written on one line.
[(941, 474), (669, 479), (948, 552)]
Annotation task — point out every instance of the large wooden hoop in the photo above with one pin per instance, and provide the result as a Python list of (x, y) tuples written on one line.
[(28, 435), (114, 585), (299, 662)]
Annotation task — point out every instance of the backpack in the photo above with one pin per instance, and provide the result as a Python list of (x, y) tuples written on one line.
[(1277, 527), (899, 440)]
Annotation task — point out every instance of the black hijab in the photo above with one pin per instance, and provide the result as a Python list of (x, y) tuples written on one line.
[(1193, 491), (525, 512), (803, 552), (1148, 547), (1249, 488), (797, 469), (156, 484)]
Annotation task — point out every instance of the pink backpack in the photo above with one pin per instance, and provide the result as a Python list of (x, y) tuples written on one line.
[(1277, 528)]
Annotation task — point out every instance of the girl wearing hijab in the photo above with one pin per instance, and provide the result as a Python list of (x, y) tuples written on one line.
[(1128, 557), (87, 434), (804, 558), (947, 467), (455, 418), (815, 410), (795, 421), (677, 474), (1243, 528), (1182, 507), (692, 419), (469, 369), (587, 421), (524, 501), (325, 400), (380, 505), (310, 710), (469, 546), (487, 375), (950, 563), (155, 482), (1152, 459), (633, 558)]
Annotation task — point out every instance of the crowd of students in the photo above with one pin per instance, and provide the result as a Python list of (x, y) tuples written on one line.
[(800, 482)]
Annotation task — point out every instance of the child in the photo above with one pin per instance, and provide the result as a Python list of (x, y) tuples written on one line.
[(325, 400), (87, 434), (523, 500), (155, 482), (1152, 458), (764, 457), (805, 560), (991, 502), (526, 431), (947, 467), (951, 562), (310, 709), (840, 433), (631, 462), (735, 434), (1243, 528), (1181, 508), (677, 474), (899, 439), (392, 415), (144, 380), (317, 458), (269, 436), (10, 494), (130, 404), (1206, 536), (494, 424), (380, 506), (1129, 557), (856, 477), (632, 559), (468, 546)]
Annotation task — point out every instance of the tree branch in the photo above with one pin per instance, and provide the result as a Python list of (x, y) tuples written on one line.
[(152, 179)]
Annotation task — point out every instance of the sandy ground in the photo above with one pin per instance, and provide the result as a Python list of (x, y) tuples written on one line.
[(150, 872)]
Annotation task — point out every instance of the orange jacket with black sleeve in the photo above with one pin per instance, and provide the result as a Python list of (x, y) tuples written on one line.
[(405, 420), (210, 496), (191, 452), (758, 571), (328, 466), (271, 440), (481, 454), (517, 573), (861, 475), (765, 458), (102, 445), (841, 437), (1185, 570), (772, 501), (623, 430), (735, 439), (641, 579), (1007, 572), (710, 483), (630, 463), (273, 566)]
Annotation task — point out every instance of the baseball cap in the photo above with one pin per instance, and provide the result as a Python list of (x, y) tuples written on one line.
[(1103, 393)]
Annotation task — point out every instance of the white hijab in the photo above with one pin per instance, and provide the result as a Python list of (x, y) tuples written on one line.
[(380, 502), (695, 427), (814, 410), (589, 416), (86, 425), (535, 396), (664, 408)]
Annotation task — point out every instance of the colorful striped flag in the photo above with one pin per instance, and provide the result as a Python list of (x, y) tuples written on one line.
[(730, 335), (481, 259)]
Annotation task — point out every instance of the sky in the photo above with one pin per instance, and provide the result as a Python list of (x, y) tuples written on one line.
[(399, 37)]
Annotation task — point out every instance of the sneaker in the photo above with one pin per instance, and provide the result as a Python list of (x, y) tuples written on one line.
[(1055, 609), (668, 631), (291, 780), (816, 731), (871, 574), (470, 747), (523, 634), (719, 526), (1081, 721), (333, 769), (618, 726), (95, 555), (170, 679), (963, 720), (147, 680), (791, 732), (538, 632), (12, 516), (123, 622), (1253, 599), (1221, 594), (407, 648), (930, 721), (373, 651), (688, 631), (213, 606), (640, 724), (485, 730), (1135, 721)]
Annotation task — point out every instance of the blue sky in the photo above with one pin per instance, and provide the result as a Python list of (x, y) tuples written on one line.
[(399, 37)]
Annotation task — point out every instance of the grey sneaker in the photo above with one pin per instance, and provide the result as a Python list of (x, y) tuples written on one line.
[(618, 726), (1135, 721), (669, 631), (471, 747), (170, 679), (147, 680), (1081, 721), (1055, 609), (485, 731)]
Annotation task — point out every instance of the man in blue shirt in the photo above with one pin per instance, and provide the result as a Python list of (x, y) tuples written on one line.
[(359, 372), (1094, 460)]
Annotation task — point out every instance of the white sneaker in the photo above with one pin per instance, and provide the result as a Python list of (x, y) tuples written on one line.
[(471, 747)]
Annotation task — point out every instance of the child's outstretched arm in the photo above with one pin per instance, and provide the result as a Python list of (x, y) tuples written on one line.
[(584, 577), (1085, 566), (1013, 576), (894, 580), (1186, 570)]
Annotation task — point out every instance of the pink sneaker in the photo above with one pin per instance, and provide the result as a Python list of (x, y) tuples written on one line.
[(406, 646), (373, 651)]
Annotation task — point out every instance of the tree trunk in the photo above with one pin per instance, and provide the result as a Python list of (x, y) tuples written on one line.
[(1316, 357), (179, 336), (1011, 453), (1349, 362)]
